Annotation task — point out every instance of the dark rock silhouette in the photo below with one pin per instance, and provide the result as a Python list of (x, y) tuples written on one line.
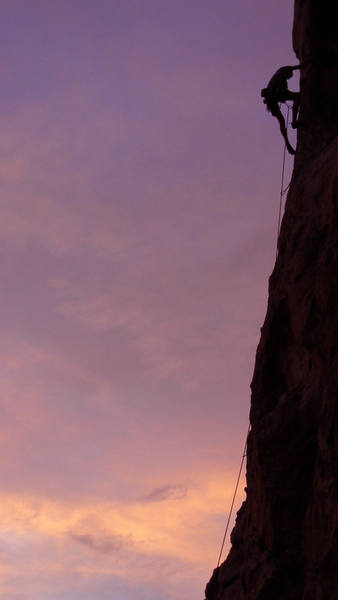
[(285, 541)]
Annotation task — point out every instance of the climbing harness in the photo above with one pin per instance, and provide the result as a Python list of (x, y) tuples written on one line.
[(233, 498), (282, 190)]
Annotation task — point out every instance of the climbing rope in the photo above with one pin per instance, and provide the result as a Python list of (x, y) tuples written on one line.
[(282, 190), (282, 194), (233, 498)]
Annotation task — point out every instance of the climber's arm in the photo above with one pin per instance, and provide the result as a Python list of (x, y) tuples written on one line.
[(301, 65)]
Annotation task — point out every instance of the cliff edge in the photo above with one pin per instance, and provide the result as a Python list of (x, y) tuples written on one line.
[(285, 541)]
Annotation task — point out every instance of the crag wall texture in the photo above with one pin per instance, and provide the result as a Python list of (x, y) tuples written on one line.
[(285, 542)]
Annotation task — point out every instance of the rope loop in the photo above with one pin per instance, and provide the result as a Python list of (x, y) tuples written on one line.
[(282, 190)]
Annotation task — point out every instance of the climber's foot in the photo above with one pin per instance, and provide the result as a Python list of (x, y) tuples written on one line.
[(297, 124), (290, 149)]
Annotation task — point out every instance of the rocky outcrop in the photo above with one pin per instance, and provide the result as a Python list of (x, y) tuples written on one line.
[(285, 542)]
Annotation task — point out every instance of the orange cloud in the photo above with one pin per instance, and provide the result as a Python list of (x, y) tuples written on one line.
[(179, 528)]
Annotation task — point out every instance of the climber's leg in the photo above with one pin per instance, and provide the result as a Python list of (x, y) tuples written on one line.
[(278, 114)]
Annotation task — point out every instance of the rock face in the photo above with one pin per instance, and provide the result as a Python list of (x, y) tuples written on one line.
[(285, 542)]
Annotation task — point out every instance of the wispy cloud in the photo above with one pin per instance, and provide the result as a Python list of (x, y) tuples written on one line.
[(14, 596), (165, 492), (99, 543), (162, 523)]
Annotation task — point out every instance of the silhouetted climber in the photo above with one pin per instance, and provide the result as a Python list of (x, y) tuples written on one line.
[(277, 91)]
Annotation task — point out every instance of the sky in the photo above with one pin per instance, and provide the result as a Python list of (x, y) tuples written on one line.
[(140, 177)]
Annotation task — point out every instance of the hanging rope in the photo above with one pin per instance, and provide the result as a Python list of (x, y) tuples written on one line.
[(282, 194), (282, 190), (233, 498)]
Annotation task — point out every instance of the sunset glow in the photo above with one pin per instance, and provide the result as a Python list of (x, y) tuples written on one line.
[(139, 194)]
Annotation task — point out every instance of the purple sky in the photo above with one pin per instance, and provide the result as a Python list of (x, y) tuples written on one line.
[(139, 176)]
